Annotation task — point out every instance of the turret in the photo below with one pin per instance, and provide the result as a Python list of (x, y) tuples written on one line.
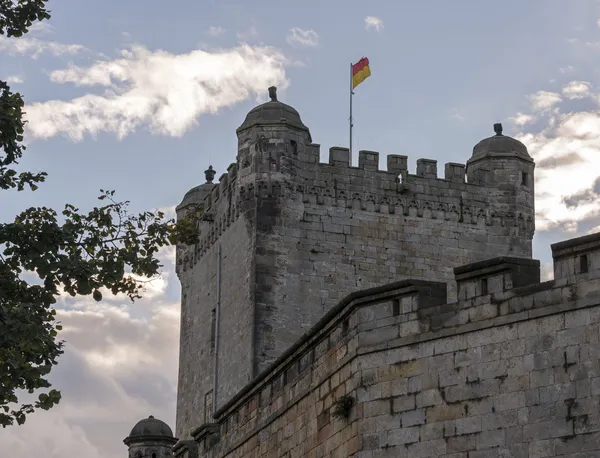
[(194, 198), (503, 165), (150, 438), (270, 132), (503, 162)]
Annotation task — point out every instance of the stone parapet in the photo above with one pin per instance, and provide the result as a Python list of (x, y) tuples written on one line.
[(398, 368)]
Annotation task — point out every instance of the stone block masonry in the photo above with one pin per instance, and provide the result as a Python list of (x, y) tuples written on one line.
[(296, 236), (511, 369)]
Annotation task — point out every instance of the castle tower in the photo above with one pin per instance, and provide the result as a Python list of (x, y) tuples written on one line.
[(150, 438), (285, 238)]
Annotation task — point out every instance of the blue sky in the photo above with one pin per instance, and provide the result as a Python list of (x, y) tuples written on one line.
[(141, 96)]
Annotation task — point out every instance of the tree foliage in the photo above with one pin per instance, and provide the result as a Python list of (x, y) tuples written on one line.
[(74, 252)]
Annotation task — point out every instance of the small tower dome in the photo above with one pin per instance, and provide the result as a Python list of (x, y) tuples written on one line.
[(151, 427), (499, 144), (196, 195), (272, 113), (150, 438), (500, 160)]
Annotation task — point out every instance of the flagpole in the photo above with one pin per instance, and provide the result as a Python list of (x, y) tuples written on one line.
[(351, 93)]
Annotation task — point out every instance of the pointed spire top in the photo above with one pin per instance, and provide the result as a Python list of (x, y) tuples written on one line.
[(273, 93), (498, 129)]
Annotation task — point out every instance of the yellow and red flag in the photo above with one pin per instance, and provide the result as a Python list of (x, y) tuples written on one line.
[(360, 72)]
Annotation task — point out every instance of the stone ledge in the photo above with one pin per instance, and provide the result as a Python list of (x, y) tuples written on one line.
[(577, 245)]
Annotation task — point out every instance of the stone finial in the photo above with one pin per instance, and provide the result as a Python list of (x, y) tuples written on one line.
[(273, 93), (209, 174), (498, 128)]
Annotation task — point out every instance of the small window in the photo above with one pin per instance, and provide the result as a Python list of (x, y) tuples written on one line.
[(294, 146), (484, 287), (154, 455), (583, 264), (396, 307), (524, 178)]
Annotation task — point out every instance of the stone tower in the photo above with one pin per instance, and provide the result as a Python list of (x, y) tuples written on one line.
[(150, 438), (285, 237)]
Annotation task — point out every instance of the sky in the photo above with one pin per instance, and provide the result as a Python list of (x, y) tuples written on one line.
[(139, 97)]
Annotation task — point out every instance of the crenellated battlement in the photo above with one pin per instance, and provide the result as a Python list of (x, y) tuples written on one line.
[(222, 205), (366, 188)]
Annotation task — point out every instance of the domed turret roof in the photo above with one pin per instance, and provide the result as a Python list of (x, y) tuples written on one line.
[(500, 145), (272, 113), (151, 427), (197, 194)]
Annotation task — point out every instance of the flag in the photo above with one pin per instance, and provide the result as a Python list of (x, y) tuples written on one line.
[(360, 72)]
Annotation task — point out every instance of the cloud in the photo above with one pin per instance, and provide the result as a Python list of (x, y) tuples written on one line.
[(546, 272), (41, 28), (215, 31), (372, 22), (116, 370), (577, 89), (15, 79), (559, 161), (584, 196), (544, 100), (565, 144), (521, 119), (35, 47), (297, 36), (567, 69), (162, 91)]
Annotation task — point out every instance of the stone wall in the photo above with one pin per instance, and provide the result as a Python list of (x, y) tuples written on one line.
[(510, 369)]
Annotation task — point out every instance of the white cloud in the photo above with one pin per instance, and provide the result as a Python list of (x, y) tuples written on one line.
[(14, 79), (41, 28), (544, 100), (521, 119), (163, 91), (215, 31), (546, 272), (372, 22), (577, 89), (567, 69), (34, 47), (297, 36), (567, 155)]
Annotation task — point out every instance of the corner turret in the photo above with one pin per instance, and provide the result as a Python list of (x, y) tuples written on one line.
[(150, 438), (194, 198), (503, 164), (269, 133), (500, 159)]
